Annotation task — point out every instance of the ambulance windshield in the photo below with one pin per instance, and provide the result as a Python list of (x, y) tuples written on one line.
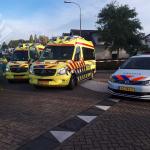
[(57, 53), (20, 56), (137, 63)]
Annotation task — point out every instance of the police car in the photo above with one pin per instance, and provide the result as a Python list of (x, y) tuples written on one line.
[(132, 79)]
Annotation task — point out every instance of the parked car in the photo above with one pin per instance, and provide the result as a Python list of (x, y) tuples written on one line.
[(132, 79)]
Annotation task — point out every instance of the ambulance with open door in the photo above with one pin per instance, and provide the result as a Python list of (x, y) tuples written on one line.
[(64, 63)]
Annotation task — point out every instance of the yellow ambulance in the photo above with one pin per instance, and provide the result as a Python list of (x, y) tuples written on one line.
[(3, 62), (64, 63), (23, 56)]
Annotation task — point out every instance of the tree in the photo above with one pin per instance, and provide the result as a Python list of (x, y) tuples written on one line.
[(35, 38), (4, 46), (119, 27), (43, 39), (31, 40), (15, 43)]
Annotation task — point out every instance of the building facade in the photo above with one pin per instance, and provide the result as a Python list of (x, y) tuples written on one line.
[(147, 40), (101, 52)]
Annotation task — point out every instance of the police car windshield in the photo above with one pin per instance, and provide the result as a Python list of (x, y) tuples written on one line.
[(57, 53), (137, 63), (20, 56)]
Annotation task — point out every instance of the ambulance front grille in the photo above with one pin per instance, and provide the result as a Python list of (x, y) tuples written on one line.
[(44, 72), (18, 70)]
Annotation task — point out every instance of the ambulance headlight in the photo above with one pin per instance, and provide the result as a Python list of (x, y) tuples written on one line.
[(7, 68), (31, 70), (62, 71)]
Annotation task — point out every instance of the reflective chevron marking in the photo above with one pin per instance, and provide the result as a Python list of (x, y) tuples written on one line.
[(103, 107), (87, 119), (61, 135)]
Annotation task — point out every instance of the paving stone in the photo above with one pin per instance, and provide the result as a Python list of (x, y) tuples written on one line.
[(26, 113), (123, 127), (92, 111), (44, 142), (73, 124)]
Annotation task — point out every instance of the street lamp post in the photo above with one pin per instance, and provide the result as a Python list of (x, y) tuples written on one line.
[(70, 2)]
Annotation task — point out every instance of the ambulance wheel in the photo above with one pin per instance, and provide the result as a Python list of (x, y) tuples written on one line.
[(37, 87), (73, 82), (92, 75), (10, 81)]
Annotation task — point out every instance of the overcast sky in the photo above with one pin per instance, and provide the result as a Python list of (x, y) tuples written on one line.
[(20, 18)]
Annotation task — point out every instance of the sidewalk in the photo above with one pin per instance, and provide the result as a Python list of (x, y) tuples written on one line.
[(95, 86), (103, 75), (126, 126)]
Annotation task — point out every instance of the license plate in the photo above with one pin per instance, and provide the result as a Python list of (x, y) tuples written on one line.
[(43, 82), (127, 89), (18, 77)]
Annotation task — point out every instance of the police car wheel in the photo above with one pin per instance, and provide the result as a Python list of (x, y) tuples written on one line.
[(73, 82)]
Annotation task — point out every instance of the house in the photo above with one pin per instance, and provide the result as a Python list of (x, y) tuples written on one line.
[(101, 52), (147, 40)]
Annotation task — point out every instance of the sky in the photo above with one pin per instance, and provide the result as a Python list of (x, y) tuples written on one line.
[(20, 18)]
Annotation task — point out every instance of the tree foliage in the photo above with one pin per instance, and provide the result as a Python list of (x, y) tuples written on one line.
[(15, 43), (119, 27), (4, 46), (31, 40), (35, 38), (43, 39)]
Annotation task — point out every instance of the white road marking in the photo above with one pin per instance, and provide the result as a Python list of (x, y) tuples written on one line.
[(114, 100), (95, 86), (87, 119), (103, 107), (61, 136)]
